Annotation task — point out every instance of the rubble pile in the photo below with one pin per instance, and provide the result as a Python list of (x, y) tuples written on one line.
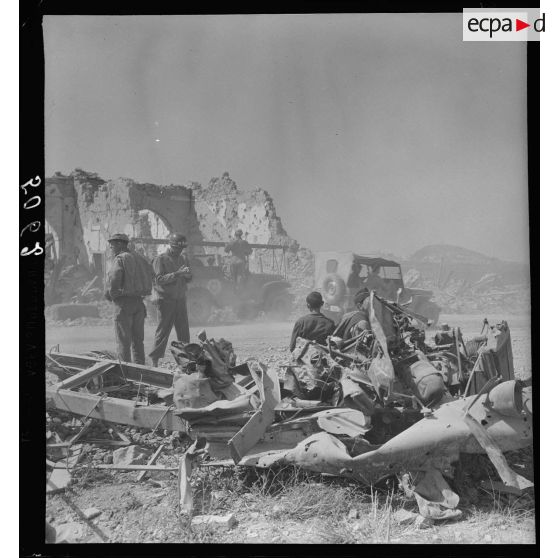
[(221, 208), (468, 282), (384, 404), (488, 295)]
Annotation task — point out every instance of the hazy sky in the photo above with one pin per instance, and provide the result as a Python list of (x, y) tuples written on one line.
[(369, 131)]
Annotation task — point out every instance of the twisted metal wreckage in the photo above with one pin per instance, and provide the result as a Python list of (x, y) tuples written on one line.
[(384, 403)]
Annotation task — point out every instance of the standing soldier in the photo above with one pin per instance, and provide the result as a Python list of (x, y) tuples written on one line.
[(130, 279), (240, 250), (172, 273)]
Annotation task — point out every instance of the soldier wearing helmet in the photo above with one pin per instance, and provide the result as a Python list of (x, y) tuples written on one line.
[(172, 274), (128, 283), (239, 250)]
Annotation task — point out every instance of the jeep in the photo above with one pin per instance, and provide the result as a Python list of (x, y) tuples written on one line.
[(339, 275)]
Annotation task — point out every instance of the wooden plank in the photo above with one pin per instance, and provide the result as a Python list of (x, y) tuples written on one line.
[(82, 378), (74, 455), (83, 430), (98, 442), (188, 463), (126, 467), (159, 377), (151, 461), (111, 409), (121, 435)]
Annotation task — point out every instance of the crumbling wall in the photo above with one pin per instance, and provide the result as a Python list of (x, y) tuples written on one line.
[(62, 214), (222, 208), (84, 210)]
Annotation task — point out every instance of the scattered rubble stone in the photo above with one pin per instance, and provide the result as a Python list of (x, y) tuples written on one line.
[(225, 522), (218, 495), (58, 480), (91, 513), (131, 455), (72, 532), (423, 522), (405, 517), (353, 514)]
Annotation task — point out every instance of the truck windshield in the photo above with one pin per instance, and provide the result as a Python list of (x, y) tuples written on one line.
[(390, 272)]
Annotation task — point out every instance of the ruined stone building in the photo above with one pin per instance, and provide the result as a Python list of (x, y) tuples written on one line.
[(83, 210)]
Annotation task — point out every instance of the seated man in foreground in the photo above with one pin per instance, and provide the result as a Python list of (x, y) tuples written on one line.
[(314, 326), (355, 322)]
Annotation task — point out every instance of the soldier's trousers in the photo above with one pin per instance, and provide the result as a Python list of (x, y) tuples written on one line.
[(170, 313), (129, 319)]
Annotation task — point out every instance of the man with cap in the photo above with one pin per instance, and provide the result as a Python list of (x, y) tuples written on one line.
[(314, 326), (128, 283), (355, 322), (172, 274), (240, 250)]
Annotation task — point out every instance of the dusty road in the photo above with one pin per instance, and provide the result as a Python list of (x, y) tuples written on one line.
[(263, 339)]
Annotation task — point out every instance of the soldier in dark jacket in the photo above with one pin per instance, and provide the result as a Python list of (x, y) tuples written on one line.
[(239, 250), (355, 322), (314, 326), (125, 292), (172, 274)]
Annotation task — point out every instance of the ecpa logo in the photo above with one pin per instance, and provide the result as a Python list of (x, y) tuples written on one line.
[(502, 26)]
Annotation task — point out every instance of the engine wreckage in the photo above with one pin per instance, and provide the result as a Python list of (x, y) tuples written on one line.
[(384, 403)]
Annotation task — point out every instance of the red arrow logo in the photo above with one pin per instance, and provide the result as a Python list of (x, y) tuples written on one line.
[(519, 25)]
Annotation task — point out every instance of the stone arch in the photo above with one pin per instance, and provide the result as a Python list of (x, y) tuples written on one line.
[(53, 251), (149, 224), (174, 205)]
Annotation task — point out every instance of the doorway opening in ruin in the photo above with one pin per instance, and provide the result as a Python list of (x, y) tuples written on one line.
[(52, 243), (149, 224), (99, 264)]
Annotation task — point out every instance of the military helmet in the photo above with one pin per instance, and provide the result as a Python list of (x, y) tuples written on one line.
[(119, 237), (176, 239)]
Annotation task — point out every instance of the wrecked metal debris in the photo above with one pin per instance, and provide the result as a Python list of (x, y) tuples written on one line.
[(386, 403)]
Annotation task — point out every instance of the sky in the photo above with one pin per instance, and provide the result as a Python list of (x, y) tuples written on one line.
[(370, 131)]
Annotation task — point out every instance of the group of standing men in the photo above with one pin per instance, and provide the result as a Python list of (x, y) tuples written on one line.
[(131, 278)]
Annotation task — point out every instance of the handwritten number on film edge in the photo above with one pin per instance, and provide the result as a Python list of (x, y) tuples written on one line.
[(33, 183), (33, 227)]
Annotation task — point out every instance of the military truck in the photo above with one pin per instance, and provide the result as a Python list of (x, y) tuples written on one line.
[(339, 275), (212, 285)]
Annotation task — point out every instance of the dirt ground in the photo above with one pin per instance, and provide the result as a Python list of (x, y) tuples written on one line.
[(271, 339), (307, 509)]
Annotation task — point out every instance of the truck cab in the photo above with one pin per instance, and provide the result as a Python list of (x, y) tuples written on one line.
[(339, 275)]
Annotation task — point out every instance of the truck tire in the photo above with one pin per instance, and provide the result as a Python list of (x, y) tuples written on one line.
[(199, 303), (247, 310), (278, 305), (333, 288)]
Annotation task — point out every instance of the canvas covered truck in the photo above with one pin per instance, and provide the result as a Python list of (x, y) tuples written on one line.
[(339, 275)]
